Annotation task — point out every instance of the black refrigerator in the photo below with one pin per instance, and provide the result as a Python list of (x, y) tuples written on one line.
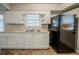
[(63, 30), (54, 30)]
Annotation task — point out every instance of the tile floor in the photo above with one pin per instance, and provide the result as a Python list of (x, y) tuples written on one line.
[(49, 51)]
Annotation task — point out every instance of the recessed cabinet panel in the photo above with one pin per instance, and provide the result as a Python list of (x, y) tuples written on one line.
[(12, 40), (21, 40), (3, 40), (41, 41), (28, 40), (46, 38), (45, 17), (14, 17)]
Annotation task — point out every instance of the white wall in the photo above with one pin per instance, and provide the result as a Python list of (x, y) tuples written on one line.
[(74, 11), (6, 5), (65, 5)]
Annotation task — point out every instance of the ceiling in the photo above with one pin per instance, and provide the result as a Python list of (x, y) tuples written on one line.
[(54, 7)]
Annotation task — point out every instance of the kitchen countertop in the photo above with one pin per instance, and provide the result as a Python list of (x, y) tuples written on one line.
[(25, 32)]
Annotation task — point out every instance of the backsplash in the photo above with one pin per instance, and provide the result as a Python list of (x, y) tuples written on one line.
[(21, 28), (14, 28)]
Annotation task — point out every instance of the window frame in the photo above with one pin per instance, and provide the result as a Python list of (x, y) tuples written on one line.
[(3, 23), (32, 27)]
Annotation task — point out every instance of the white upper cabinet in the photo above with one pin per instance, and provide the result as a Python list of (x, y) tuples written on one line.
[(45, 17), (15, 17)]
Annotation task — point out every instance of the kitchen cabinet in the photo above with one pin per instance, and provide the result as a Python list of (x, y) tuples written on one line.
[(29, 40), (20, 40), (25, 40), (41, 40), (17, 17), (12, 40), (45, 17), (3, 40), (14, 17)]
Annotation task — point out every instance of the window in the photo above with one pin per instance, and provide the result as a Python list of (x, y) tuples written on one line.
[(32, 19), (1, 23)]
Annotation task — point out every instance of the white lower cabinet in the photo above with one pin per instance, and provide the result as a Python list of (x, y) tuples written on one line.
[(28, 40), (12, 40), (3, 40), (41, 40), (21, 40)]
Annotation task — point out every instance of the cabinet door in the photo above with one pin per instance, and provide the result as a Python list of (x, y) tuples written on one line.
[(3, 40), (10, 17), (45, 17), (20, 19), (13, 17), (46, 40), (20, 39), (28, 40), (41, 41), (12, 40)]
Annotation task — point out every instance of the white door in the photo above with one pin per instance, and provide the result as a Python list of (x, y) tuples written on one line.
[(3, 40), (20, 39), (28, 40), (12, 40), (41, 41)]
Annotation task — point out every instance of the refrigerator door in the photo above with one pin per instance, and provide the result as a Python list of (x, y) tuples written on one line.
[(54, 23), (67, 33)]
